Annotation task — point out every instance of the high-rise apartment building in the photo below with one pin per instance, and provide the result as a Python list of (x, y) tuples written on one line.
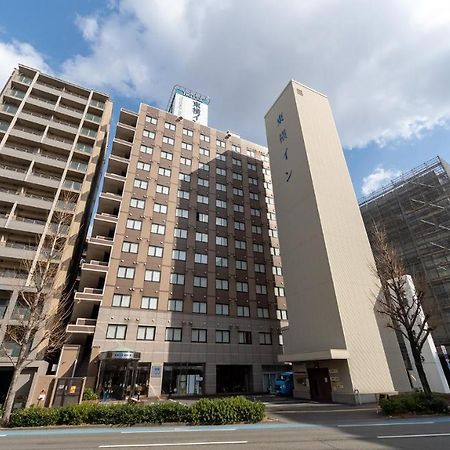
[(53, 136), (181, 289)]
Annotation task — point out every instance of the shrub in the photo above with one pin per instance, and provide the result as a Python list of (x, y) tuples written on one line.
[(89, 394), (74, 414), (34, 417), (417, 402)]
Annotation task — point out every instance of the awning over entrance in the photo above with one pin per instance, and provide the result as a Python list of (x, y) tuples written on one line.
[(121, 353), (332, 353)]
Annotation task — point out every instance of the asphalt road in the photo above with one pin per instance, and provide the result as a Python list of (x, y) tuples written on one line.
[(296, 426)]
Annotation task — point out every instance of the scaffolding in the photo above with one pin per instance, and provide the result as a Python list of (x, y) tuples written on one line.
[(414, 210)]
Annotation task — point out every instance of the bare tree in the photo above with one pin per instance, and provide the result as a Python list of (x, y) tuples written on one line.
[(43, 305), (405, 313)]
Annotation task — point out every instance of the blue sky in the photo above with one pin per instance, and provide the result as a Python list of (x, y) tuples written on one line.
[(384, 65)]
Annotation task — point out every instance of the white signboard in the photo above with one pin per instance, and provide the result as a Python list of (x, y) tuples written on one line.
[(189, 105)]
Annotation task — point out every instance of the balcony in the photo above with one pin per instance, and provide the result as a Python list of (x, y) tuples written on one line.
[(27, 133), (72, 185), (111, 196), (25, 198), (15, 93), (15, 173), (41, 102), (8, 108), (88, 132), (12, 277), (58, 141), (91, 295), (44, 179), (82, 326), (93, 264), (97, 104), (101, 240), (26, 224), (17, 250), (70, 111)]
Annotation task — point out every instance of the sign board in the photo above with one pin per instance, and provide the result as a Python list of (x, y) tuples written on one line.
[(155, 371), (189, 104)]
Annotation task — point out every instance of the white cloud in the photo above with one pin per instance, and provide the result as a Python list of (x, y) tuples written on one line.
[(15, 52), (378, 178), (384, 65)]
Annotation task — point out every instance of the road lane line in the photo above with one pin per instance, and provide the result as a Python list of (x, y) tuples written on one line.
[(177, 430), (293, 411), (173, 444), (382, 424), (2, 435), (414, 435)]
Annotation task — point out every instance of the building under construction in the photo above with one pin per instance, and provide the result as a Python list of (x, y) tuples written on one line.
[(414, 210)]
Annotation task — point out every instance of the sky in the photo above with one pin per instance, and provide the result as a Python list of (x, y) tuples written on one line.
[(384, 65)]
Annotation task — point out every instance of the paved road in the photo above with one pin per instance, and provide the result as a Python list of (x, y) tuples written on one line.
[(297, 426)]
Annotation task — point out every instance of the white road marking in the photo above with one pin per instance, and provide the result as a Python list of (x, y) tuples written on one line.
[(293, 411), (383, 424), (173, 444), (178, 430), (413, 435), (2, 435)]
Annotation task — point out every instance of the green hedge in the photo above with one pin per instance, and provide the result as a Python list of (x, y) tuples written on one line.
[(205, 411), (418, 403)]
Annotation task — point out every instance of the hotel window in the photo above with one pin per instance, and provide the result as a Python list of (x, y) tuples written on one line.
[(201, 258), (258, 248), (199, 307), (116, 332), (202, 217), (241, 286), (269, 200), (220, 240), (268, 185), (183, 213), (153, 275), (158, 208), (263, 313), (273, 233), (185, 161), (166, 155), (141, 184), (130, 247), (168, 140), (237, 176), (256, 229), (276, 270), (251, 153), (134, 224), (222, 336), (146, 149), (169, 126), (265, 339), (177, 278), (282, 314), (237, 162), (156, 251), (221, 187), (179, 255), (222, 285), (221, 204), (164, 172), (220, 143), (157, 228), (201, 237), (204, 151), (236, 148), (279, 291), (221, 261), (202, 199), (136, 203), (253, 196), (125, 272), (274, 251), (203, 182), (261, 289), (149, 302), (239, 226), (173, 334), (260, 268), (188, 132), (200, 282), (255, 212), (251, 166), (245, 337), (243, 311), (221, 171), (152, 120), (241, 265), (145, 333), (222, 309), (204, 137), (183, 194), (221, 221), (149, 134), (143, 166), (198, 335), (271, 216), (180, 233), (184, 177), (253, 181), (186, 146), (238, 208), (280, 339), (240, 245), (175, 305), (203, 166), (121, 300), (160, 189), (238, 192)]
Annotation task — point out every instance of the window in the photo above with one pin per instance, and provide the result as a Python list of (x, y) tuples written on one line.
[(185, 161), (245, 337), (136, 203), (280, 339), (180, 212), (276, 270), (153, 275), (220, 240), (145, 333), (203, 166), (251, 153), (166, 155), (134, 224), (236, 148), (281, 314), (238, 208), (199, 307), (143, 166), (221, 171), (179, 255), (260, 268), (269, 200), (149, 134), (263, 313), (157, 228), (125, 272), (265, 338), (261, 289), (251, 166), (186, 146), (169, 126), (222, 309), (184, 177), (238, 192), (149, 302), (258, 248), (202, 199), (168, 140), (175, 305), (221, 157), (271, 216), (152, 120), (201, 237), (198, 335), (164, 172), (204, 151), (183, 194), (268, 185), (279, 291), (221, 204), (239, 225), (160, 189), (222, 285), (241, 286), (158, 208), (202, 217), (204, 137), (221, 221), (237, 176), (243, 311), (188, 132), (221, 187), (241, 265), (173, 334), (273, 233), (274, 251), (237, 162), (203, 182), (130, 247), (200, 282), (146, 149), (221, 261), (253, 181), (180, 233), (121, 300), (256, 229), (253, 196), (177, 278), (153, 250), (240, 245), (200, 258), (220, 143), (116, 332), (222, 336), (140, 184)]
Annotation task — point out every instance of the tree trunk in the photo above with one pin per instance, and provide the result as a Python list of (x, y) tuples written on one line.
[(420, 370), (10, 397)]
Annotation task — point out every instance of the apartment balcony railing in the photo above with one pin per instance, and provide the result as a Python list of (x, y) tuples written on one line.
[(85, 148), (41, 99), (97, 104), (93, 118), (73, 185), (10, 273), (4, 125), (89, 132), (23, 79), (16, 93), (11, 109), (13, 169)]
